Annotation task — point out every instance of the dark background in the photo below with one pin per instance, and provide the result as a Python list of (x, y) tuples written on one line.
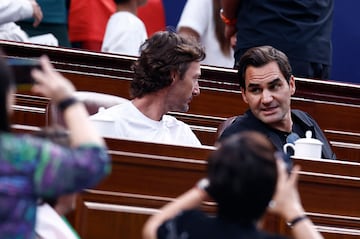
[(346, 36)]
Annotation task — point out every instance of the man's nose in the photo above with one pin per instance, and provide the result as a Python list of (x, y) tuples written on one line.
[(266, 97), (196, 90)]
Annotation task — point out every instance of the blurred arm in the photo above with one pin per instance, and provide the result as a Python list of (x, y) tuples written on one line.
[(14, 10), (190, 199)]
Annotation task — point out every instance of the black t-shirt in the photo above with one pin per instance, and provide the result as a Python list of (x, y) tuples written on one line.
[(301, 123), (301, 29), (194, 224)]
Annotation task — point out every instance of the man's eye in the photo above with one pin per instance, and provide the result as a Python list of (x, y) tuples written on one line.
[(255, 90), (275, 86)]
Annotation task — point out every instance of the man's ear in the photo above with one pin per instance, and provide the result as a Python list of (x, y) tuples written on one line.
[(292, 85), (243, 94), (173, 75)]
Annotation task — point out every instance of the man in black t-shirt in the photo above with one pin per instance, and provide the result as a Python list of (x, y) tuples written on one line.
[(267, 84)]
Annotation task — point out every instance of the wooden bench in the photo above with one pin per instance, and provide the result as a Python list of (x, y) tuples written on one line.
[(335, 106), (146, 176)]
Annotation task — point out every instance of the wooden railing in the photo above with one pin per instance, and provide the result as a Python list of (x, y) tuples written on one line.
[(146, 176)]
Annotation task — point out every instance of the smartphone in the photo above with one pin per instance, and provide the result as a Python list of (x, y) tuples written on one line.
[(21, 68)]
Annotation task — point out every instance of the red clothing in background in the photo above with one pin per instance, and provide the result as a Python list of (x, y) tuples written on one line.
[(153, 16), (87, 22)]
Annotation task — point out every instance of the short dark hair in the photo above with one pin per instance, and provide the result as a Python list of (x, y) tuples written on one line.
[(260, 56), (6, 83), (162, 54), (243, 176)]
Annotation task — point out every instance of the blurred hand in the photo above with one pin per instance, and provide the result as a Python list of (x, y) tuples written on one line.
[(233, 41), (229, 31), (38, 15), (286, 201), (50, 83)]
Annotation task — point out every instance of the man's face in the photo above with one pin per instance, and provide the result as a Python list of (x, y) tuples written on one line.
[(268, 95), (183, 90)]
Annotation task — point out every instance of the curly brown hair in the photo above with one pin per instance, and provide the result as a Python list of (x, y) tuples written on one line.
[(161, 55)]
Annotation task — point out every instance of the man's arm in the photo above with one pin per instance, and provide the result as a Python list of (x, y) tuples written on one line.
[(190, 199), (12, 11)]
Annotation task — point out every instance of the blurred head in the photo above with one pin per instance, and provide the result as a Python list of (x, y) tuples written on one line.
[(7, 90), (163, 57), (243, 176), (260, 56)]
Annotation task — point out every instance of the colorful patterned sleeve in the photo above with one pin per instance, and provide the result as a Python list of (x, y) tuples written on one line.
[(57, 170)]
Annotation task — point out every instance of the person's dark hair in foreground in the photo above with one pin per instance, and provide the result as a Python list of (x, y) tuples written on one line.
[(246, 178), (241, 168), (33, 168)]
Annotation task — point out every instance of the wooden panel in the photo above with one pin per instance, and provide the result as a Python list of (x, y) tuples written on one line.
[(149, 179), (30, 110), (146, 176), (212, 77)]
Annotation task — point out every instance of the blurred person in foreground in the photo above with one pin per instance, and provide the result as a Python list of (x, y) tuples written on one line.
[(51, 221), (33, 168), (245, 178), (125, 32)]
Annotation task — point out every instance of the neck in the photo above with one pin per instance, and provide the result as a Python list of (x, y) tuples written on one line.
[(285, 124), (61, 210), (128, 7), (151, 105)]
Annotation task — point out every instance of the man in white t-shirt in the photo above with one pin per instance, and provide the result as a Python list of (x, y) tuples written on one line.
[(165, 79)]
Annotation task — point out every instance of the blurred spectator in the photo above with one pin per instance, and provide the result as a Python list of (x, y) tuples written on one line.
[(11, 11), (125, 32), (50, 218), (300, 29), (55, 21), (245, 179), (153, 16), (33, 168), (200, 18), (87, 22)]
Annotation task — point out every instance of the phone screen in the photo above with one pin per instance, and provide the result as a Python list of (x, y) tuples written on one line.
[(21, 68)]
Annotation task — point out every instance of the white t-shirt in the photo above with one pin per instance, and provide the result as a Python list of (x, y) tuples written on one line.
[(49, 224), (198, 15), (124, 34), (128, 122), (12, 11)]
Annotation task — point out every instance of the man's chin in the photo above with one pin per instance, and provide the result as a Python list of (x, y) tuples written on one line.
[(269, 119), (183, 109)]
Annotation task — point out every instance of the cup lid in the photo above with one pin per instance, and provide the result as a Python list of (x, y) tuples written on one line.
[(308, 139)]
